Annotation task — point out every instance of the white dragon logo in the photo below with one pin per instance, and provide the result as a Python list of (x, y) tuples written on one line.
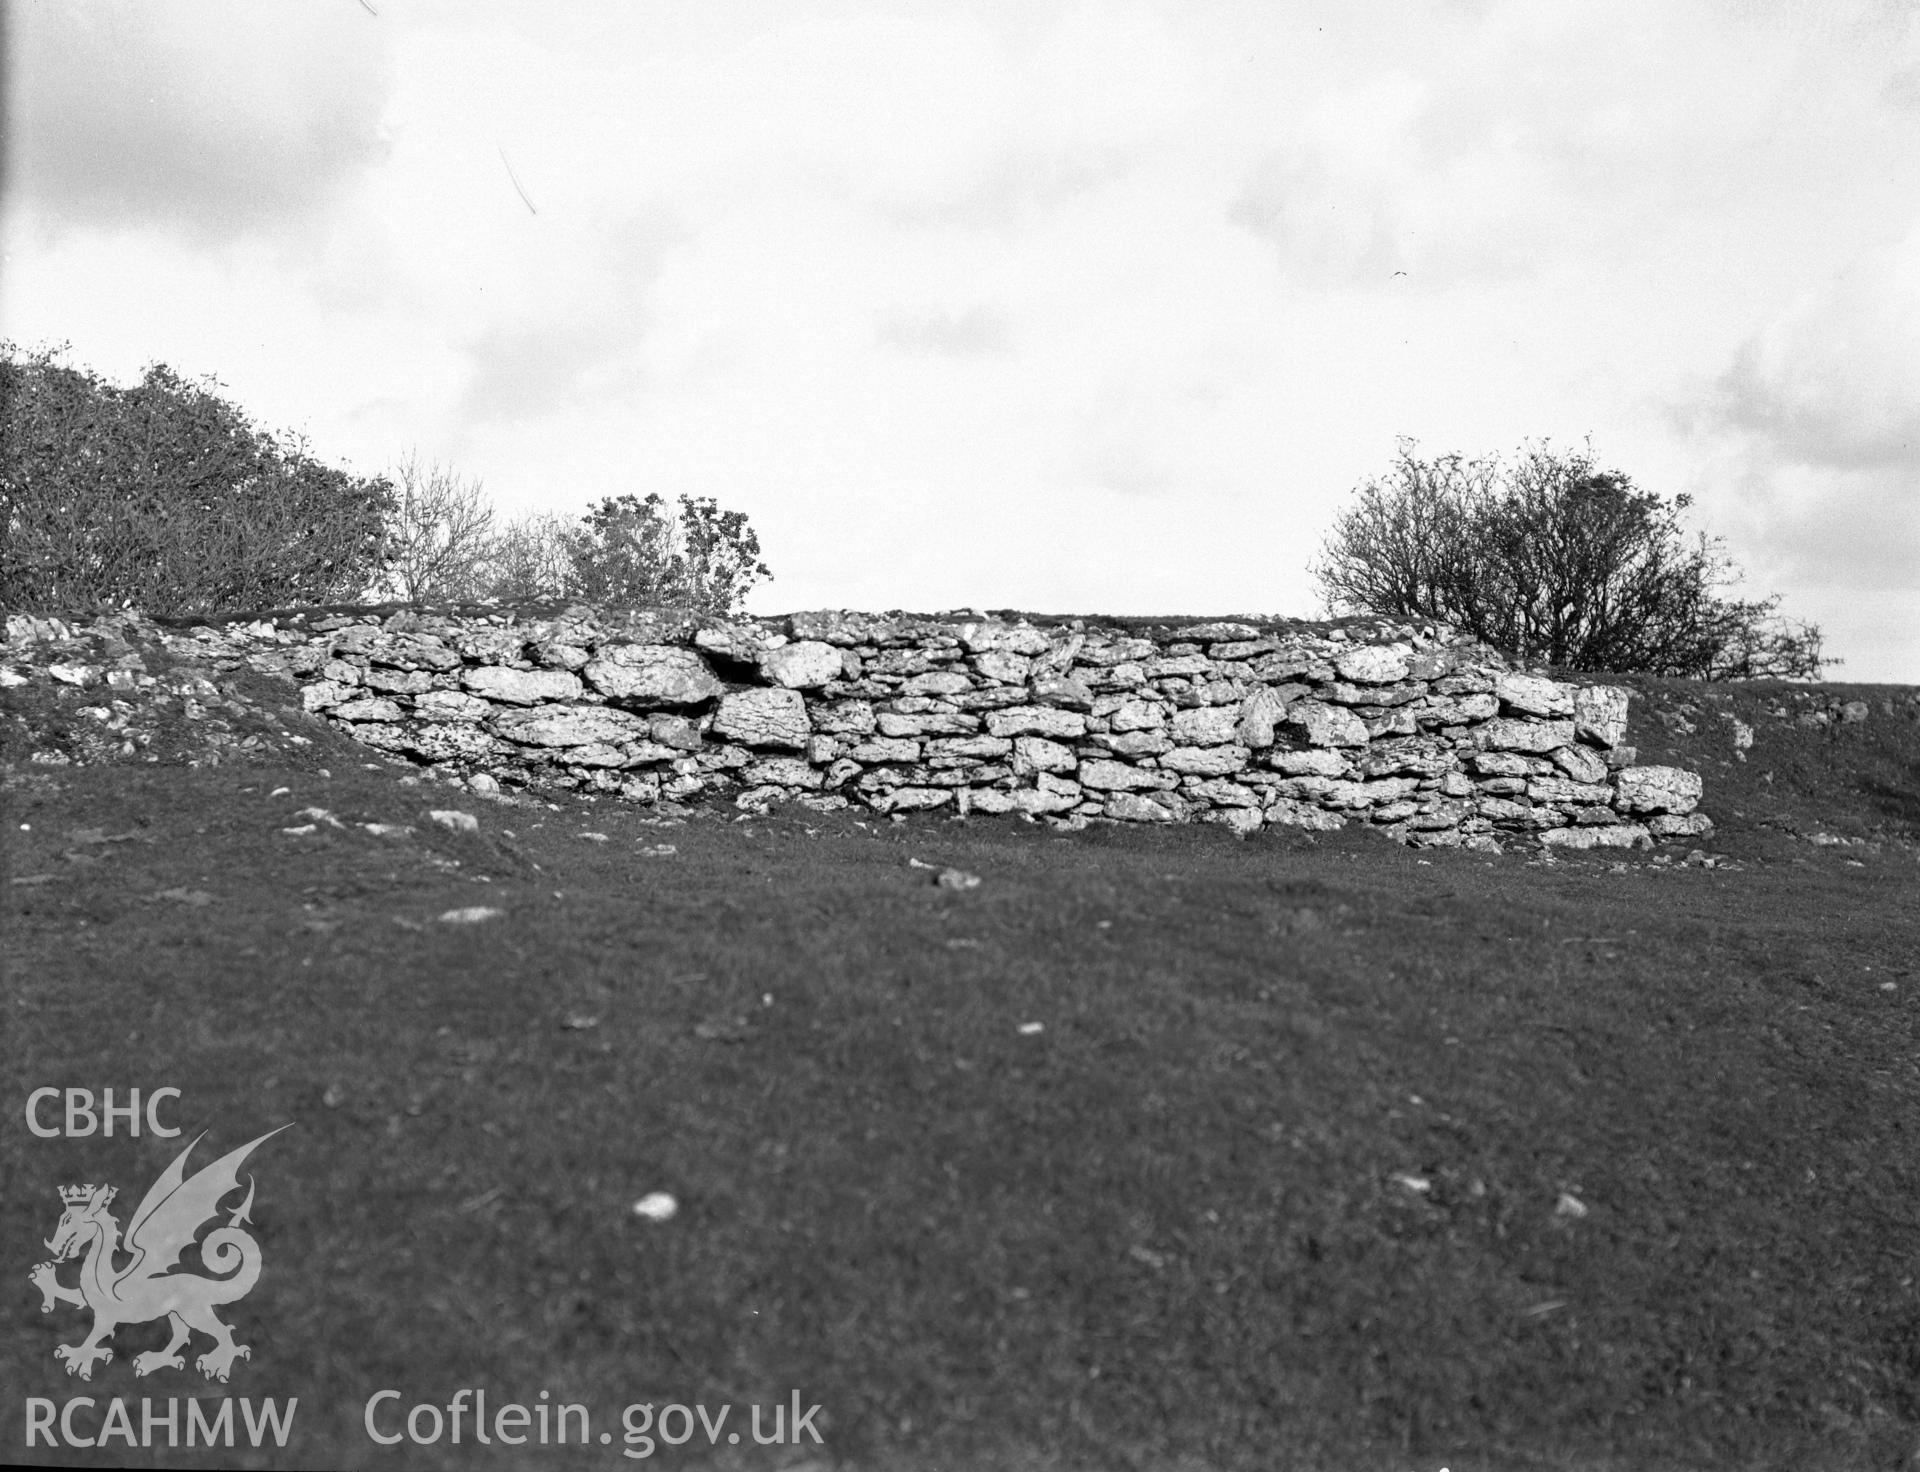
[(161, 1228)]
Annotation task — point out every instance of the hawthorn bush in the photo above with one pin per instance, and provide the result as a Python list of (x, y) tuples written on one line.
[(166, 497), (1558, 562)]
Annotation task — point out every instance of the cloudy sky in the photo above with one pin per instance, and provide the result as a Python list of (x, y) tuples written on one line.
[(1099, 307)]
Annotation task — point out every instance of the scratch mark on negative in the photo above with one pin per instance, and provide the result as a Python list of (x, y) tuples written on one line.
[(517, 187)]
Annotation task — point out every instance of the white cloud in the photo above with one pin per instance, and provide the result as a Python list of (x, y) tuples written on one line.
[(208, 116)]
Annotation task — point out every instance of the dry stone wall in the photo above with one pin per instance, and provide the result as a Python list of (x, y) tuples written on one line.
[(1413, 730)]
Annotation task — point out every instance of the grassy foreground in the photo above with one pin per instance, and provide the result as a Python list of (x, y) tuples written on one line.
[(1156, 1149)]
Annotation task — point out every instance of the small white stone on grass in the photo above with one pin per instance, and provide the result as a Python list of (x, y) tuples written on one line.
[(471, 915), (1028, 1029), (301, 831), (456, 820), (594, 837), (957, 879), (656, 1206), (1569, 1205)]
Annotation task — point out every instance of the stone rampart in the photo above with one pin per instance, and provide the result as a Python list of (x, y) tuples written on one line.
[(1425, 735)]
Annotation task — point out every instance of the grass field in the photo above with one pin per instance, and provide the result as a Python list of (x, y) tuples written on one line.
[(1156, 1149)]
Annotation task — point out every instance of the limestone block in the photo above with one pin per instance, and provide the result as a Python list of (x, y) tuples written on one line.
[(559, 656), (938, 682), (980, 747), (833, 626), (1259, 713), (595, 754), (1020, 800), (1106, 776), (1315, 763), (1459, 710), (366, 708), (781, 771), (1369, 794), (482, 644), (1507, 764), (1673, 825), (1532, 695), (1580, 764), (1372, 665), (418, 651), (325, 694), (937, 723), (1326, 725), (1616, 835), (1506, 812), (1210, 725), (647, 753), (880, 750), (1131, 807), (1180, 664), (1600, 713), (577, 725), (398, 682), (1135, 715), (521, 687), (805, 665), (1296, 814), (1062, 691), (673, 731), (763, 718), (1656, 790), (1205, 761), (451, 705), (442, 742), (1004, 666), (912, 799), (1223, 793), (1503, 734), (844, 718), (1037, 754), (737, 640), (1036, 720), (1420, 756), (1560, 791), (653, 674), (1020, 638), (1134, 743)]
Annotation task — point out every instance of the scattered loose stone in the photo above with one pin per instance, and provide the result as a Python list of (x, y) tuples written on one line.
[(470, 915)]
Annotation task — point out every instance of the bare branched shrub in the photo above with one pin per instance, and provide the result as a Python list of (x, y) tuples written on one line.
[(528, 559), (441, 538), (1558, 562)]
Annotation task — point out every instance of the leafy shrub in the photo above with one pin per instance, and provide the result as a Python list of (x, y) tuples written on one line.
[(166, 497), (635, 552), (1558, 562)]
